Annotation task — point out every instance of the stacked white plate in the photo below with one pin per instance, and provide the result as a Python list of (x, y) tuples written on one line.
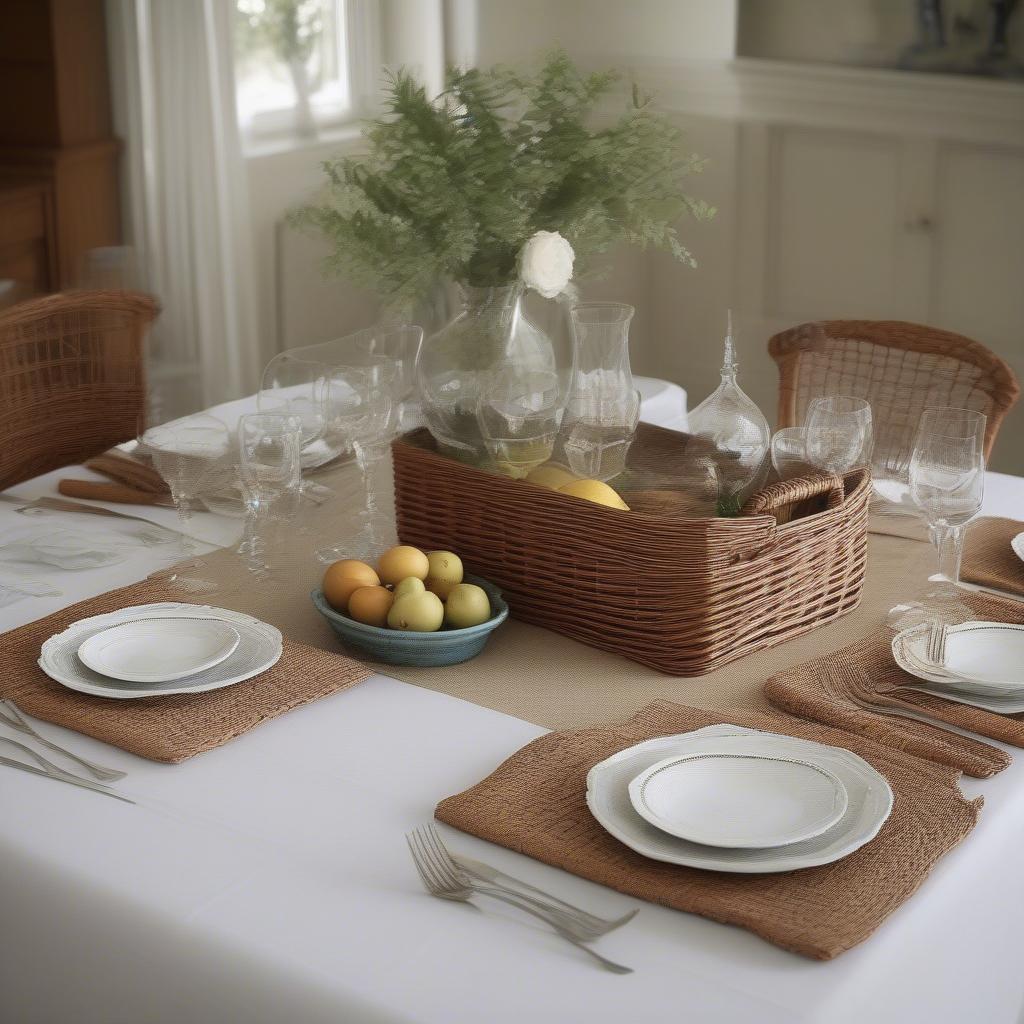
[(154, 650), (983, 666), (727, 798)]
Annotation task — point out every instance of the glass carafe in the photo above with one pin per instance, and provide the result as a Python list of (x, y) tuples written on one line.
[(603, 408), (738, 432), (489, 337)]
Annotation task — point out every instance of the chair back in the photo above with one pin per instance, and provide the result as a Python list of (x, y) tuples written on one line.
[(900, 368), (72, 378)]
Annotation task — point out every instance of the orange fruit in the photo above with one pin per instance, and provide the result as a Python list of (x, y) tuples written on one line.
[(371, 605), (402, 561), (344, 577)]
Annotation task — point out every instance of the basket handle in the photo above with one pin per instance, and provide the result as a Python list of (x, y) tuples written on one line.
[(786, 492)]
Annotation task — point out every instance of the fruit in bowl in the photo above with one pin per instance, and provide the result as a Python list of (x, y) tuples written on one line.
[(410, 591)]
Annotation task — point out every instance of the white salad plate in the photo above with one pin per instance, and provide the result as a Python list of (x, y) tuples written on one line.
[(983, 660), (869, 801), (153, 650), (738, 800), (259, 648), (1018, 546)]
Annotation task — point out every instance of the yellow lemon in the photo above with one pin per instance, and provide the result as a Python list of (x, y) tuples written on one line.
[(594, 490), (343, 578), (371, 605), (445, 572), (467, 605), (399, 562), (550, 476)]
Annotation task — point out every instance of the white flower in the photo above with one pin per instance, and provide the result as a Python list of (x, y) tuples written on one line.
[(545, 263)]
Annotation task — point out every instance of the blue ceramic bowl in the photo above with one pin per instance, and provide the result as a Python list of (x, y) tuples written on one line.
[(397, 647)]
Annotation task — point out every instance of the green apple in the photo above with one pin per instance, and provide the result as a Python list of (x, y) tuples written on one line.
[(417, 613), (410, 585), (467, 605), (444, 573)]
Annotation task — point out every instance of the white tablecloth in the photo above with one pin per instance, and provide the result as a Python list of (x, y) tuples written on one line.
[(268, 881)]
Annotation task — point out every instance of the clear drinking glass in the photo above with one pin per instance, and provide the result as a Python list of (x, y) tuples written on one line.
[(789, 453), (295, 387), (519, 416), (360, 407), (603, 408), (839, 435), (270, 468), (947, 486), (192, 455)]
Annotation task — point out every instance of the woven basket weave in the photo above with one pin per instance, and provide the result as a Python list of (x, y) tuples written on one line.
[(684, 596)]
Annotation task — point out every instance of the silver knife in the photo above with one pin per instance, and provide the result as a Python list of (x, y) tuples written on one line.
[(73, 780)]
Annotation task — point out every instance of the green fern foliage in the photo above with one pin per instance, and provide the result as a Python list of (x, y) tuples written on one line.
[(452, 188)]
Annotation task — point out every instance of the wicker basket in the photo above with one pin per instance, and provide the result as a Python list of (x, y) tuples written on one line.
[(684, 596)]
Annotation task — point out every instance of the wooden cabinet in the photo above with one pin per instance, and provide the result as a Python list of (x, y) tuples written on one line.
[(27, 250), (55, 122)]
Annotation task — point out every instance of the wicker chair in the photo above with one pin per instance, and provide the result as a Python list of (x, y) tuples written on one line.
[(901, 368), (72, 381)]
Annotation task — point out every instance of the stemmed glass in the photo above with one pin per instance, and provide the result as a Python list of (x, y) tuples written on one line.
[(838, 433), (294, 387), (270, 468), (947, 485), (361, 407), (519, 415), (192, 456)]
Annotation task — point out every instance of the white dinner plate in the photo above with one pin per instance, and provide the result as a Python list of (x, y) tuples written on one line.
[(159, 650), (981, 657), (1018, 546), (739, 800), (258, 649), (869, 801)]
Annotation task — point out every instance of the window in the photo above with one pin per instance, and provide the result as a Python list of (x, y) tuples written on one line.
[(291, 68)]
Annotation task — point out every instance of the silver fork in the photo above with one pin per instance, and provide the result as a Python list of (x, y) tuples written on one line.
[(16, 721), (586, 926), (442, 884), (52, 771)]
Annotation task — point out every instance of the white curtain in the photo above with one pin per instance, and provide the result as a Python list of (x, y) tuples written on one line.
[(186, 201)]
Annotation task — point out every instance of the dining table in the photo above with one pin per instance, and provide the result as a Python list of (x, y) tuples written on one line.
[(268, 879)]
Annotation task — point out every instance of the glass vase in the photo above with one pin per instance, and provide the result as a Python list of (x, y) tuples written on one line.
[(603, 407), (489, 337)]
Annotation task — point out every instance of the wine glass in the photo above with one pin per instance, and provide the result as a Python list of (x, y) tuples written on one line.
[(947, 486), (361, 409), (270, 468), (789, 453), (838, 432), (192, 455), (294, 387), (519, 415)]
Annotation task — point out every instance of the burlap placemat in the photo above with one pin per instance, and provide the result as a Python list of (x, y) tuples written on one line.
[(534, 803), (833, 689), (988, 559), (166, 728)]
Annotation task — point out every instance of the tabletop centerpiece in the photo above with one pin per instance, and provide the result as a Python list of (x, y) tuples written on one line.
[(506, 181)]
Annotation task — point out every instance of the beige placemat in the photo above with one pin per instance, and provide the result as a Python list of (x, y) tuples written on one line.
[(988, 559), (166, 728), (832, 688), (534, 803)]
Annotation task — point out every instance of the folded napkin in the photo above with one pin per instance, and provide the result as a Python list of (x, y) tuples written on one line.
[(988, 558), (535, 804), (166, 728), (834, 689), (129, 470)]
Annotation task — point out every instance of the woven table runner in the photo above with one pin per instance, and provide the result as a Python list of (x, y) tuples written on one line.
[(988, 558), (166, 728), (832, 688), (535, 804)]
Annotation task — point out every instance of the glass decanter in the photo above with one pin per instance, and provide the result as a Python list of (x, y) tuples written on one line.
[(489, 337), (738, 432), (603, 408)]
